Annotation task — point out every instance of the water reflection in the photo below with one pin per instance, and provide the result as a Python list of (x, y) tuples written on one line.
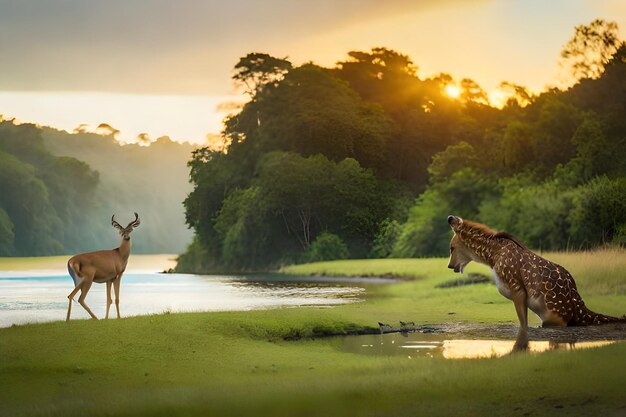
[(25, 299), (464, 349), (412, 345)]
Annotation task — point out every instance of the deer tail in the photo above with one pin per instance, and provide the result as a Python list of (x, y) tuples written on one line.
[(586, 317), (74, 271)]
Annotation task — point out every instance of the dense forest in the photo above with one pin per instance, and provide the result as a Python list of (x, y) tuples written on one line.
[(58, 191), (367, 158)]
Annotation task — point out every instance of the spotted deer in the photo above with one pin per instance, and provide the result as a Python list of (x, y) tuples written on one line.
[(522, 276)]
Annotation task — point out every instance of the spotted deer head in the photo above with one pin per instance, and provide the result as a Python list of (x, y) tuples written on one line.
[(460, 255), (125, 231)]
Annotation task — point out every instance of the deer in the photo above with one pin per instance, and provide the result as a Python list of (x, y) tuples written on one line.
[(103, 266), (523, 277)]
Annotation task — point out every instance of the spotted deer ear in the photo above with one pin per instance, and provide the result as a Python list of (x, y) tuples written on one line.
[(455, 222)]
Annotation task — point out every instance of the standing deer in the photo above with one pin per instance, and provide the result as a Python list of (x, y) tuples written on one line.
[(101, 266)]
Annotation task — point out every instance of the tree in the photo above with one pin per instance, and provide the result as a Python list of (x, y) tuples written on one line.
[(465, 190), (472, 92), (314, 194), (43, 194), (334, 150), (425, 233), (518, 147), (143, 139), (214, 175), (424, 118), (516, 94), (257, 70), (590, 49), (297, 190), (556, 124), (382, 246), (605, 100), (287, 202), (24, 198), (81, 128), (599, 212), (7, 235), (310, 112), (364, 69), (243, 230), (453, 159), (593, 150), (535, 213), (106, 129)]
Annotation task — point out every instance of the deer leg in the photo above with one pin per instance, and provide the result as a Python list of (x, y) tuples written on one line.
[(116, 288), (109, 284), (72, 294), (83, 293), (519, 299)]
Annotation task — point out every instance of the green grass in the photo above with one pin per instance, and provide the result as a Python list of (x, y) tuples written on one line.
[(402, 268), (238, 363), (599, 272), (595, 272)]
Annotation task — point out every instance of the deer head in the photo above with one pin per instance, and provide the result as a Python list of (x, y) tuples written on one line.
[(460, 255), (125, 231)]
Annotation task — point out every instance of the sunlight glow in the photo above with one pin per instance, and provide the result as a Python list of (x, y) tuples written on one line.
[(453, 90), (498, 98), (470, 349), (182, 118)]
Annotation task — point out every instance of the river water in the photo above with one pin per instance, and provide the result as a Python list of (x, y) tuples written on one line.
[(37, 296)]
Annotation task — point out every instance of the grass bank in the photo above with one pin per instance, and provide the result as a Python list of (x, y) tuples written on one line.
[(239, 363), (599, 271)]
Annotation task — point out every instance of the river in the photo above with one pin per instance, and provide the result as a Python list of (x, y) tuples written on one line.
[(36, 295)]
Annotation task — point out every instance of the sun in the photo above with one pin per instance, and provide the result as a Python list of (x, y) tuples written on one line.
[(453, 90)]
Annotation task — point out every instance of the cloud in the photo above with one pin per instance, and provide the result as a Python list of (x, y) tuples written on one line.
[(161, 46)]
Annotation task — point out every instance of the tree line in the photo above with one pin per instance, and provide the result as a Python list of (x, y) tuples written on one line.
[(366, 159), (58, 191)]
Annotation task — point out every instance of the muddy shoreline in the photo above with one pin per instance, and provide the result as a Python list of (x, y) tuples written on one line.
[(612, 331)]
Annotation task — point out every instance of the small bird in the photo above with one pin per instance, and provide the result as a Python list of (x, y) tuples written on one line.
[(384, 327), (407, 323)]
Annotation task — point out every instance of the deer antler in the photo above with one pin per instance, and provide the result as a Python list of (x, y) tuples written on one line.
[(115, 224), (135, 222)]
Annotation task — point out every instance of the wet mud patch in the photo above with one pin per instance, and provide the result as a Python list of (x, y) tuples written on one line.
[(464, 341), (613, 331)]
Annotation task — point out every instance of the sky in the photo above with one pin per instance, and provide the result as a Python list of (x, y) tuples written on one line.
[(163, 67)]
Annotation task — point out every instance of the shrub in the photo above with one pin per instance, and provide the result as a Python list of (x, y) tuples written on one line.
[(385, 239), (536, 213), (426, 231), (599, 215), (327, 247)]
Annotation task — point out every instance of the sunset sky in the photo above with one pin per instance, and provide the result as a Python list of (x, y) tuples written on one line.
[(163, 67)]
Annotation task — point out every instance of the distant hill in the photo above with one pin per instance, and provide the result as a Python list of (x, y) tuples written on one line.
[(58, 191), (150, 180)]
